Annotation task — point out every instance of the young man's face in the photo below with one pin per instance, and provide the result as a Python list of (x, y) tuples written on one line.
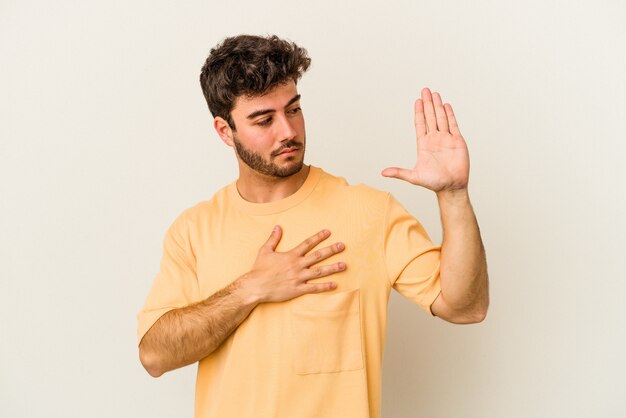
[(270, 137)]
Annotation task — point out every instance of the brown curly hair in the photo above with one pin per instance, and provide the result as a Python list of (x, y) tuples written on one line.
[(251, 66)]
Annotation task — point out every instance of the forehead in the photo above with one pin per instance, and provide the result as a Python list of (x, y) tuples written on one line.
[(277, 98)]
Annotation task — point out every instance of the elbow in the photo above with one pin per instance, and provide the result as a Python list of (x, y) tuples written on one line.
[(470, 315), (479, 313), (478, 316), (467, 318), (465, 314), (154, 372), (150, 362)]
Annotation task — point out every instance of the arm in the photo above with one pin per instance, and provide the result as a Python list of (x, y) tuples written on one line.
[(443, 167), (185, 335), (464, 296)]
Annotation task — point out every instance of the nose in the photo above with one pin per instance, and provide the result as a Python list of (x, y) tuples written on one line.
[(286, 129)]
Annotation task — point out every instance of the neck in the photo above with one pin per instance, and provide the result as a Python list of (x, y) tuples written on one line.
[(259, 188)]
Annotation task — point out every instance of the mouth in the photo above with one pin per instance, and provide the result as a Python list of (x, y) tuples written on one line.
[(288, 151)]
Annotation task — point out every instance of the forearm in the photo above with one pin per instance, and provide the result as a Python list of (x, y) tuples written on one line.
[(186, 335), (464, 280)]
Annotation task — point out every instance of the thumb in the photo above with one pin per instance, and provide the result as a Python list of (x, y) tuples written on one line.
[(398, 173), (274, 239)]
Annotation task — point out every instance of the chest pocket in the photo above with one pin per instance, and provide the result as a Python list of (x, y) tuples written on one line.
[(326, 331)]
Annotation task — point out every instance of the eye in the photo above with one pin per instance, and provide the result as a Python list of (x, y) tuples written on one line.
[(264, 122), (294, 110)]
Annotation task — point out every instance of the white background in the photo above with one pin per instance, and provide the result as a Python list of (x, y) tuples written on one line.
[(105, 138)]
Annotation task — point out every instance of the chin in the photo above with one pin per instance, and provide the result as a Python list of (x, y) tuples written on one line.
[(290, 169)]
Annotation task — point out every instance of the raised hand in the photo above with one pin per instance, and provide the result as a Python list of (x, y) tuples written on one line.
[(276, 276), (442, 156)]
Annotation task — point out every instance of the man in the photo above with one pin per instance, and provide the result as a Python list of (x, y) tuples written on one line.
[(293, 325)]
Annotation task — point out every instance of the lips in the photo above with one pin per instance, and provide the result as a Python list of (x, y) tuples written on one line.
[(288, 150)]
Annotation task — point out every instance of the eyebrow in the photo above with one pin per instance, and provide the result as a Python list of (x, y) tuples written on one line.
[(262, 112)]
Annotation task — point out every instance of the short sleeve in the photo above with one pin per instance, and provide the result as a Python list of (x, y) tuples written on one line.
[(176, 284), (412, 260)]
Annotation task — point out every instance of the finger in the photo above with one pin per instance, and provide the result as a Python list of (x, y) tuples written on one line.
[(274, 239), (398, 173), (454, 127), (310, 243), (323, 253), (323, 271), (318, 287), (429, 110), (440, 113), (420, 121)]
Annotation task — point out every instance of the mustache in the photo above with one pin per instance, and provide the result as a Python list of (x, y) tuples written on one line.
[(289, 144)]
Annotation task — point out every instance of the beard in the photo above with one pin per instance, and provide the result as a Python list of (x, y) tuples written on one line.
[(259, 164)]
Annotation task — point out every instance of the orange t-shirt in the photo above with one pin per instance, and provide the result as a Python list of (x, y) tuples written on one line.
[(317, 355)]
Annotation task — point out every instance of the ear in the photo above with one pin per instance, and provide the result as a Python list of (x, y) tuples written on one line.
[(223, 130)]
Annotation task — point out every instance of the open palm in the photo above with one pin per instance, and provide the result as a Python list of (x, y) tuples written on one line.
[(442, 156)]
